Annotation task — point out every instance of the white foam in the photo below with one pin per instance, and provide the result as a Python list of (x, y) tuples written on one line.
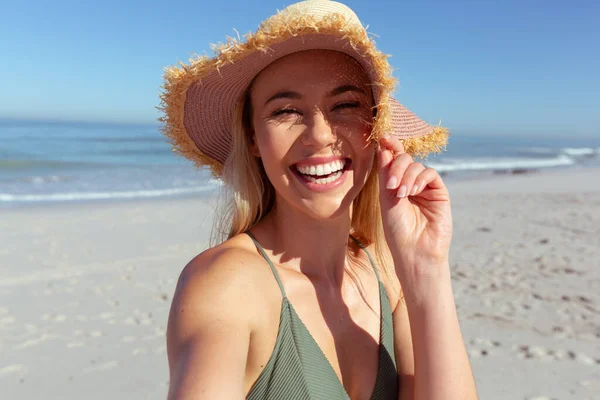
[(579, 151), (450, 165), (45, 179), (75, 196)]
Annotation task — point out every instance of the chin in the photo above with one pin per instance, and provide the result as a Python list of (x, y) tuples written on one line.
[(325, 209)]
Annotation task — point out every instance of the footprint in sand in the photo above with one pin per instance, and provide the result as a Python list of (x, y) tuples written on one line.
[(585, 360), (139, 351), (139, 318), (101, 367), (154, 336), (54, 317), (13, 369), (535, 352), (34, 342), (7, 320), (128, 339), (102, 316), (593, 385), (544, 354), (482, 347)]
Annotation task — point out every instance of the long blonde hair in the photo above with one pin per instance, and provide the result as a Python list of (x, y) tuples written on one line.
[(249, 195)]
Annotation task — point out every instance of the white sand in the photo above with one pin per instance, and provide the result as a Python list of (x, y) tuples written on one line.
[(85, 290)]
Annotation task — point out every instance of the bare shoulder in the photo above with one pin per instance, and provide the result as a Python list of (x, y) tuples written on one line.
[(228, 265), (214, 312), (225, 277)]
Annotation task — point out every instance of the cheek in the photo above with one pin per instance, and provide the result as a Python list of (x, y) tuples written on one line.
[(357, 134), (273, 145), (356, 131)]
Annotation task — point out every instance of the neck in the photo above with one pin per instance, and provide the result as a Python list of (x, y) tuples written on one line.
[(316, 248)]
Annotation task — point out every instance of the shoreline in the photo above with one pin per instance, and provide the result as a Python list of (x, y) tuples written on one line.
[(451, 179)]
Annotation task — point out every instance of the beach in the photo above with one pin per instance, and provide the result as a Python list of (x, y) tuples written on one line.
[(85, 288)]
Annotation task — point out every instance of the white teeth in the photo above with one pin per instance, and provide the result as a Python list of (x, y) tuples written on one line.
[(322, 169), (323, 181)]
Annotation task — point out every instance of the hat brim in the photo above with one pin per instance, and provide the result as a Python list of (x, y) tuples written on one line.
[(199, 99)]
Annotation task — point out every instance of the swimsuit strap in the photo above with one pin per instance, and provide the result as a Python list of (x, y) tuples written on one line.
[(276, 274), (262, 252), (359, 244)]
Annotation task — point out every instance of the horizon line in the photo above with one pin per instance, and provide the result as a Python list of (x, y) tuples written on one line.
[(44, 120)]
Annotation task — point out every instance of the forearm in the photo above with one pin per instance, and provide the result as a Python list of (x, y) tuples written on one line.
[(442, 368)]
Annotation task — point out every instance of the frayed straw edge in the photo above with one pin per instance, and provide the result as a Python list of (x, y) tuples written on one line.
[(279, 28), (422, 146)]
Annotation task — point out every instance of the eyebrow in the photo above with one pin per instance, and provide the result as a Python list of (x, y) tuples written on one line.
[(346, 88), (290, 94), (284, 94)]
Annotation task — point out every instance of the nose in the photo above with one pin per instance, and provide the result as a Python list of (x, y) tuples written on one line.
[(318, 133)]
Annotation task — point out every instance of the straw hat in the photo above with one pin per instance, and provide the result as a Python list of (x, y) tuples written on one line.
[(199, 98)]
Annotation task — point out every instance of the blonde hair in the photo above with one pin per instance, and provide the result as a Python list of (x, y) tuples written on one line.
[(249, 195)]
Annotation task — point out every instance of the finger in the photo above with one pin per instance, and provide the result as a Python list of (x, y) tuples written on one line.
[(408, 187), (429, 178), (391, 143), (396, 170), (385, 157)]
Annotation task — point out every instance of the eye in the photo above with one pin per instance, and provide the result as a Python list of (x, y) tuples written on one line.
[(347, 104), (284, 111)]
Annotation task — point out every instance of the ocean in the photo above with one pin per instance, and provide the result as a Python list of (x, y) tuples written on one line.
[(44, 162)]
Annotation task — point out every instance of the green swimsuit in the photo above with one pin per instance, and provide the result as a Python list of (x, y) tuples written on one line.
[(298, 369)]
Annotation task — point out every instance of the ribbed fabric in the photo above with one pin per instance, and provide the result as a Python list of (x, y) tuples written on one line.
[(298, 369)]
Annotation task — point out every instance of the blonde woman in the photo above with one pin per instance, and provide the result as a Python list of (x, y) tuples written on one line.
[(333, 281)]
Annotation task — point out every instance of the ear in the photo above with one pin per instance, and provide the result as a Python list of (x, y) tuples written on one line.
[(253, 146)]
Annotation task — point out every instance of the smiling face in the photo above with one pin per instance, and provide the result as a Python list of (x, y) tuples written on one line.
[(312, 115)]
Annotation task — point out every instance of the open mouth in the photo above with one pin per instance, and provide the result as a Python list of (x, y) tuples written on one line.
[(322, 174)]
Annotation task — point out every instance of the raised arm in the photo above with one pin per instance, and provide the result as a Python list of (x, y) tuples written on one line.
[(417, 221), (208, 331)]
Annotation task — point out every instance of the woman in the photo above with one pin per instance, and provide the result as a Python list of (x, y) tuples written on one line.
[(329, 285)]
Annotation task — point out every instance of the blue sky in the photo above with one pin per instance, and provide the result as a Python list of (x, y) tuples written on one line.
[(503, 67)]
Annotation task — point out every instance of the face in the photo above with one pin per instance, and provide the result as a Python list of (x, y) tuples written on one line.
[(312, 115)]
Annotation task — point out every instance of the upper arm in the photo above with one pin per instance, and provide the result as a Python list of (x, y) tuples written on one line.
[(208, 332)]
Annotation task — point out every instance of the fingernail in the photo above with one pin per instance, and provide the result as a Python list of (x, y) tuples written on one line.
[(414, 190), (402, 192), (392, 183)]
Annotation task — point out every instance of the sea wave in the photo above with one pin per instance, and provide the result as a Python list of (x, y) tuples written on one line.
[(453, 165), (576, 152), (580, 151), (14, 164), (38, 180), (111, 195)]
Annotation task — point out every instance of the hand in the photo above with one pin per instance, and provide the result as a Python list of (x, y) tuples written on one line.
[(416, 213)]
